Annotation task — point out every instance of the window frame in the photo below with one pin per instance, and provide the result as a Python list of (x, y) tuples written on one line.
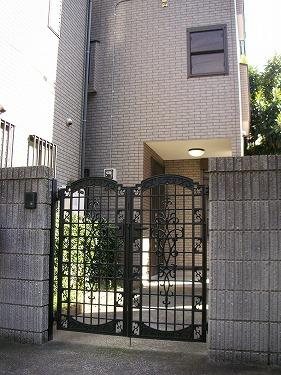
[(189, 53)]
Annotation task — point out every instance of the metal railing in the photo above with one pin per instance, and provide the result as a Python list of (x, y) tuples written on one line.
[(41, 152), (7, 144)]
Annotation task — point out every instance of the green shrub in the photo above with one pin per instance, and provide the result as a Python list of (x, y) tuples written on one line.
[(93, 251)]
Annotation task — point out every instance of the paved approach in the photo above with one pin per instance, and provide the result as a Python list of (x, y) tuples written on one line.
[(74, 353)]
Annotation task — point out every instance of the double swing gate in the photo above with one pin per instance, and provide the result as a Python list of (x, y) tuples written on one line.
[(132, 260)]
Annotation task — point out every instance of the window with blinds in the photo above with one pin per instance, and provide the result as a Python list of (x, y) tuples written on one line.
[(207, 51)]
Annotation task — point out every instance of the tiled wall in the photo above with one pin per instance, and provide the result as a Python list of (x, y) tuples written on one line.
[(24, 254), (69, 89), (144, 93), (245, 259)]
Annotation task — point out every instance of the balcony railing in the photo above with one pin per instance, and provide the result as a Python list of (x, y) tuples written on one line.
[(7, 144)]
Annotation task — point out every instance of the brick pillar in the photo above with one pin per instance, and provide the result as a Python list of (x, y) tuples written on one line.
[(245, 259), (24, 254)]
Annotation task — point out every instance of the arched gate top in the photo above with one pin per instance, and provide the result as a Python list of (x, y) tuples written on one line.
[(92, 181), (167, 179)]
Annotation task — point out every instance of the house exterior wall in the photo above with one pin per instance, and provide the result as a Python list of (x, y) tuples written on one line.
[(188, 168), (70, 89), (42, 77), (28, 63), (143, 92), (147, 166)]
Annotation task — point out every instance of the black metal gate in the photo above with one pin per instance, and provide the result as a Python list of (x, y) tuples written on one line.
[(132, 260)]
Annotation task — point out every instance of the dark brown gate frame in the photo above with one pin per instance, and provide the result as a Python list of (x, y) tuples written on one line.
[(130, 230)]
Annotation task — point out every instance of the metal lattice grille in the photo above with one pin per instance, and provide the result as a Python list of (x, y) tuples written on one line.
[(92, 257), (169, 271), (132, 261)]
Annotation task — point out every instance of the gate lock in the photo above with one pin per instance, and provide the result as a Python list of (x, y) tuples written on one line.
[(137, 229)]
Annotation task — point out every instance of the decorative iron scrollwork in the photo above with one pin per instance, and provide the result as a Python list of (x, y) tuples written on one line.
[(166, 232), (137, 191), (198, 303), (198, 189), (198, 245), (136, 216), (137, 246), (121, 216), (121, 191), (136, 301), (198, 215), (198, 276), (135, 329), (119, 327), (197, 332), (119, 300)]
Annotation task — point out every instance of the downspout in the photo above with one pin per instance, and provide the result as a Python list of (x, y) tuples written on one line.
[(86, 85), (86, 88)]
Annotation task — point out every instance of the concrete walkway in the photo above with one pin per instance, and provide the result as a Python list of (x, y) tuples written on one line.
[(83, 354)]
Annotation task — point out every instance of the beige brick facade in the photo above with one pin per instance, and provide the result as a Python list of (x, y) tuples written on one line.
[(143, 92), (69, 89), (188, 168)]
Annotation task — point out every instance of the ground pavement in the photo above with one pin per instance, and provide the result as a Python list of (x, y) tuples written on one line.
[(74, 353)]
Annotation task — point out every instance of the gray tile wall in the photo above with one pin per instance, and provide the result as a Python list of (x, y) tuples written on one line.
[(24, 254), (245, 259), (69, 89), (152, 97)]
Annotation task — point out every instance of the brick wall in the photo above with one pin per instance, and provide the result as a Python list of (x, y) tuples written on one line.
[(69, 89), (148, 154), (24, 254), (240, 6), (245, 259), (143, 92), (189, 168)]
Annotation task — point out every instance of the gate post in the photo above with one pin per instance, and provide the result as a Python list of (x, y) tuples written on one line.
[(245, 259), (25, 234), (128, 262)]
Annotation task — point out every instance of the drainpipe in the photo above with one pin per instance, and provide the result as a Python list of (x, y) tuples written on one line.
[(86, 87)]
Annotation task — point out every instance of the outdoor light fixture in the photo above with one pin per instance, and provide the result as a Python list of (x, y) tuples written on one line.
[(196, 152)]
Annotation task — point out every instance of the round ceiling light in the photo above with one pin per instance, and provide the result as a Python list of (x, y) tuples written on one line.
[(196, 152)]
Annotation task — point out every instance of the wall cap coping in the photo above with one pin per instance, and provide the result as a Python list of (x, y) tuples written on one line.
[(20, 173), (245, 163)]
